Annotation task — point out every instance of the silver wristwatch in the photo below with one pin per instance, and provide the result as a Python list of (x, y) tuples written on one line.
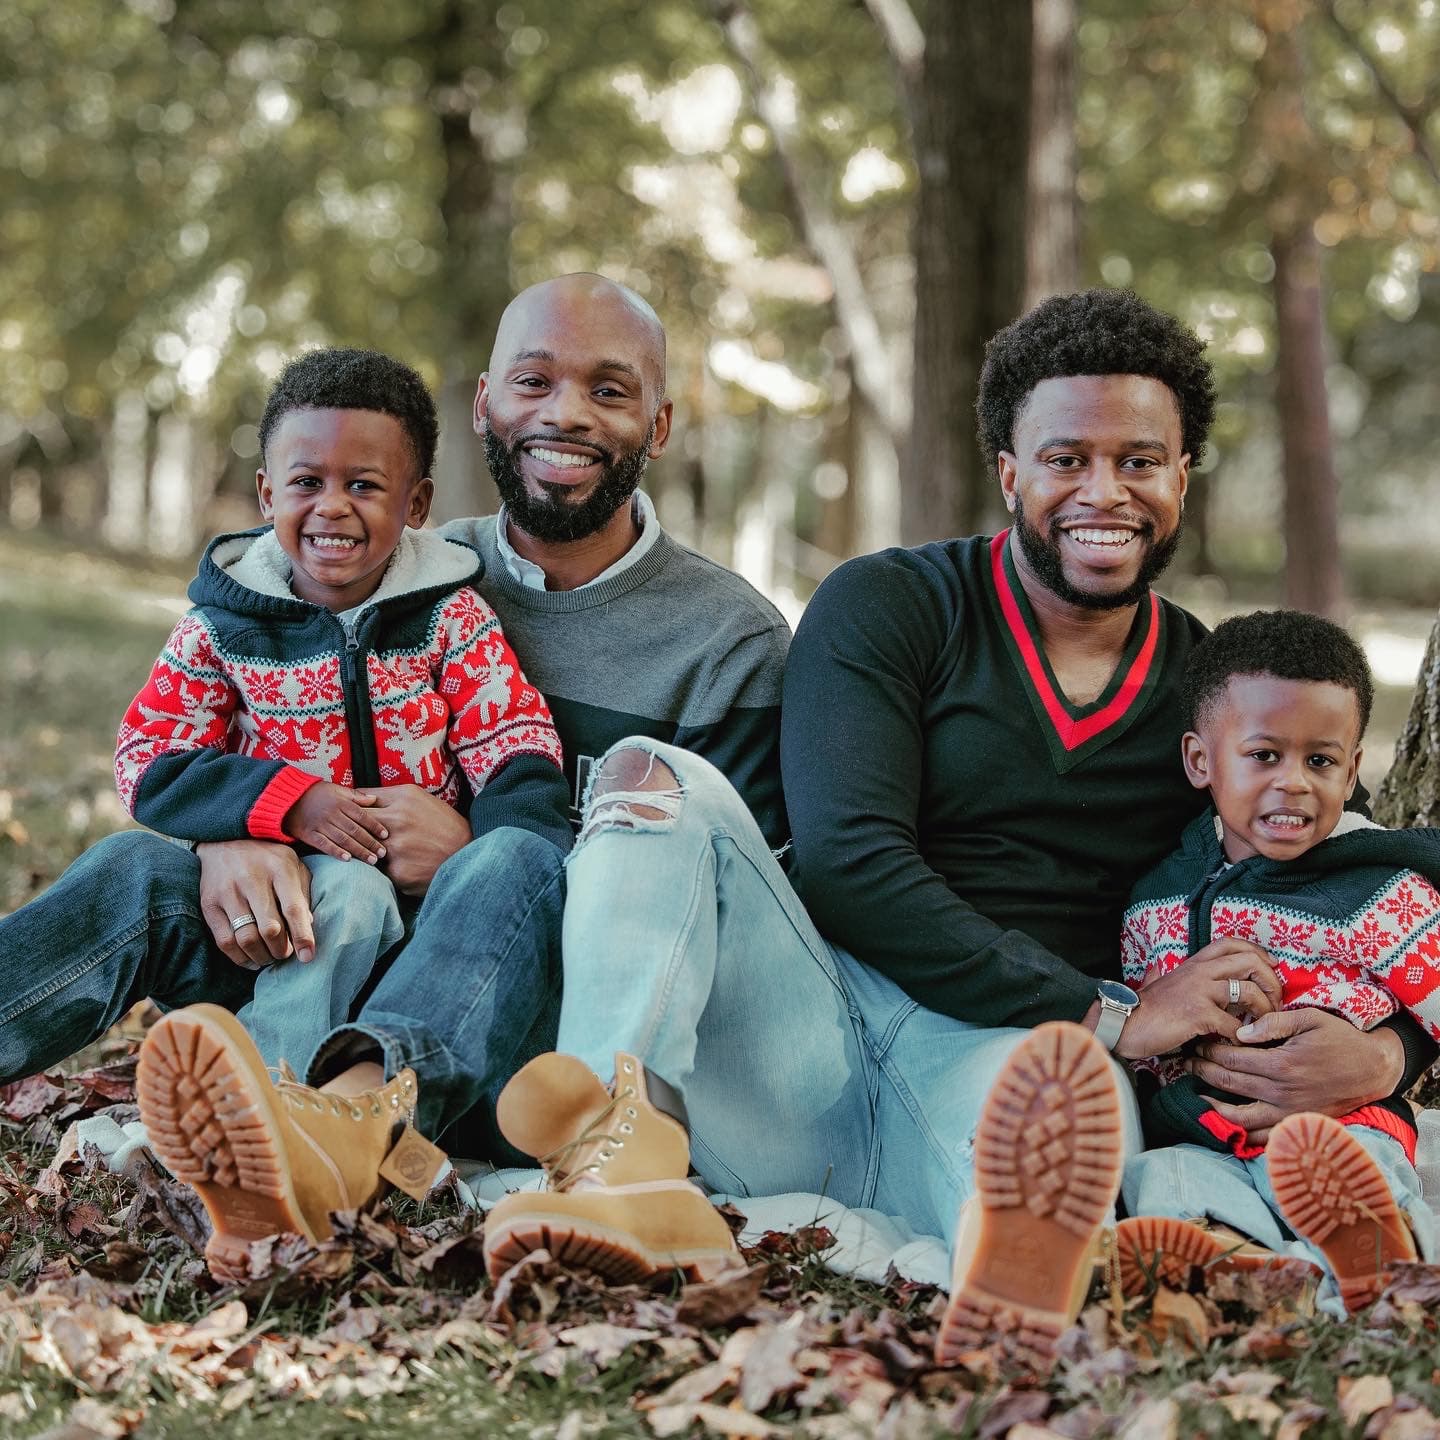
[(1117, 1004)]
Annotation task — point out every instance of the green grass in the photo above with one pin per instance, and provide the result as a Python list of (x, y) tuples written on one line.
[(78, 635)]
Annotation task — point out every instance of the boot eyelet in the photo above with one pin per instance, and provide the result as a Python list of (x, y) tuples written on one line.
[(356, 1113), (619, 1144), (335, 1106), (394, 1102), (592, 1169), (606, 1155), (375, 1109), (406, 1084), (628, 1068), (630, 1111), (319, 1104), (627, 1129)]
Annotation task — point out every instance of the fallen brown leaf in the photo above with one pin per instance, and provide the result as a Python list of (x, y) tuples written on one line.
[(675, 1419), (1300, 1418), (708, 1304), (1253, 1410), (1361, 1396), (769, 1369), (603, 1344)]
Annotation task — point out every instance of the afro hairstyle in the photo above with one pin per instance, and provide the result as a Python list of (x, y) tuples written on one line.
[(1097, 332), (338, 379), (1288, 644)]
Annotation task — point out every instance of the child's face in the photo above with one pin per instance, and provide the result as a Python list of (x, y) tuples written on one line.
[(1280, 759), (340, 488)]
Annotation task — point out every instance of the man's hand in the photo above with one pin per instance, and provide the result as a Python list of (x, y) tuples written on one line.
[(1194, 999), (338, 821), (424, 833), (1298, 1060), (263, 879)]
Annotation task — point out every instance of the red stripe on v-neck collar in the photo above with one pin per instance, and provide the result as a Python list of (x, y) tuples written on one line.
[(1073, 733)]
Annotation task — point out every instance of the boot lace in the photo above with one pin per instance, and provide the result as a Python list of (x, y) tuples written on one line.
[(570, 1162)]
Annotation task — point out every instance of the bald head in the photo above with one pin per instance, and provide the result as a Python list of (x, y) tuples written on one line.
[(603, 314)]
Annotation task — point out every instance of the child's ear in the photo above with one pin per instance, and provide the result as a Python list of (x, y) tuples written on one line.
[(1354, 774), (262, 489), (1197, 760), (420, 498)]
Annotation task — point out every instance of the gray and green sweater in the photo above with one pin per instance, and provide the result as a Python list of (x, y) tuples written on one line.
[(675, 647)]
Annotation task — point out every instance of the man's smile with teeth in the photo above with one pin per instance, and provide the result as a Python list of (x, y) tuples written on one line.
[(1110, 539), (563, 459)]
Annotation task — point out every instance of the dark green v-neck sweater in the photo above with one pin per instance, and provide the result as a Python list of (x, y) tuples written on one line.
[(957, 824)]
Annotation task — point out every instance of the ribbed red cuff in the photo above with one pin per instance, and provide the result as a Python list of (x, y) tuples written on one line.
[(1379, 1118), (266, 820)]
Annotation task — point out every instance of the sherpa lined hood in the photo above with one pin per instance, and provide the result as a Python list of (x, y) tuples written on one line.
[(249, 574)]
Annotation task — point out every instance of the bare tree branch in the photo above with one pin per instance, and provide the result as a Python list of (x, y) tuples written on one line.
[(823, 232), (1413, 116), (904, 38)]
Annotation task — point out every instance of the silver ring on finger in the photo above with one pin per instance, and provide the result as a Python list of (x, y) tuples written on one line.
[(241, 921), (1234, 992)]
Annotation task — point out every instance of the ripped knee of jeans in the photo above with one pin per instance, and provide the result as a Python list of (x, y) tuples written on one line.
[(631, 789)]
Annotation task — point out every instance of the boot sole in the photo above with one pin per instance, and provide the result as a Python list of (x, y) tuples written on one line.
[(610, 1247), (210, 1118), (613, 1254), (1047, 1168), (1334, 1195), (1160, 1248)]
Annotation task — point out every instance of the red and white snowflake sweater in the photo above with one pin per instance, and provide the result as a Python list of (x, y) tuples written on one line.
[(1352, 926), (258, 695)]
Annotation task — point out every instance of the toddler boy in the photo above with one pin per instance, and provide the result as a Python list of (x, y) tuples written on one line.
[(1350, 918), (342, 648)]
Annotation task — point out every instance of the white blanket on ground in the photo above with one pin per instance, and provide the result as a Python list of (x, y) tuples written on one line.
[(867, 1243)]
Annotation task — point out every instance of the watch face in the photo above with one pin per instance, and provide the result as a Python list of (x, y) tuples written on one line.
[(1118, 994)]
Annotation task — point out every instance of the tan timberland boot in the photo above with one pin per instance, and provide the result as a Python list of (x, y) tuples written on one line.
[(1334, 1195), (617, 1200), (264, 1156), (1047, 1169), (1159, 1249)]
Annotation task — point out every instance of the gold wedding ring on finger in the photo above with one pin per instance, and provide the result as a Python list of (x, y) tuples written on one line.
[(1234, 992), (241, 921)]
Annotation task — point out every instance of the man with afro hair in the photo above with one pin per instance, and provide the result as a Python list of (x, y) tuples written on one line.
[(980, 754)]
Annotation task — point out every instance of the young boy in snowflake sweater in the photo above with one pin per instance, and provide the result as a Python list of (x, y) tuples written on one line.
[(1349, 916), (342, 648)]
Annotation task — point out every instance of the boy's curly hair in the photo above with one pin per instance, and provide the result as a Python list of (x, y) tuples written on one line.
[(339, 379), (1097, 332), (1288, 644)]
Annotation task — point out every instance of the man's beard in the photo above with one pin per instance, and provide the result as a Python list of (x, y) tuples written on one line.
[(552, 518), (1042, 554)]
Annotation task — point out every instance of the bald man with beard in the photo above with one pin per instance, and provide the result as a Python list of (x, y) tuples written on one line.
[(626, 633)]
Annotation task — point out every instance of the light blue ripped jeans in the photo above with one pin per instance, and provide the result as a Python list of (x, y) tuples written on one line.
[(1191, 1182), (357, 919), (802, 1068)]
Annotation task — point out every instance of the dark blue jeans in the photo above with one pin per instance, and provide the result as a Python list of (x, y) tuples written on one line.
[(474, 993), (472, 996), (122, 923)]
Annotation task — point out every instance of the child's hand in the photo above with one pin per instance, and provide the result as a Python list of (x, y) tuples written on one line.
[(337, 822)]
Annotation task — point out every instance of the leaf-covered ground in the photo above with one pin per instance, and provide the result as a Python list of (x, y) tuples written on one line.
[(110, 1326)]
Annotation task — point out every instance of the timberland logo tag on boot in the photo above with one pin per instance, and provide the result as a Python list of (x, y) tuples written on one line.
[(413, 1164)]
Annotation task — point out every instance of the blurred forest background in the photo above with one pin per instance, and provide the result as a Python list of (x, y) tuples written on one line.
[(832, 204)]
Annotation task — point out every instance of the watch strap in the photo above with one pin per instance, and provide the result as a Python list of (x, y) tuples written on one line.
[(1111, 1022)]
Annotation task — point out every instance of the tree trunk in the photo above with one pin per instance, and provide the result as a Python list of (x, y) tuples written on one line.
[(1313, 578), (1052, 222), (1410, 791), (971, 149), (475, 206)]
